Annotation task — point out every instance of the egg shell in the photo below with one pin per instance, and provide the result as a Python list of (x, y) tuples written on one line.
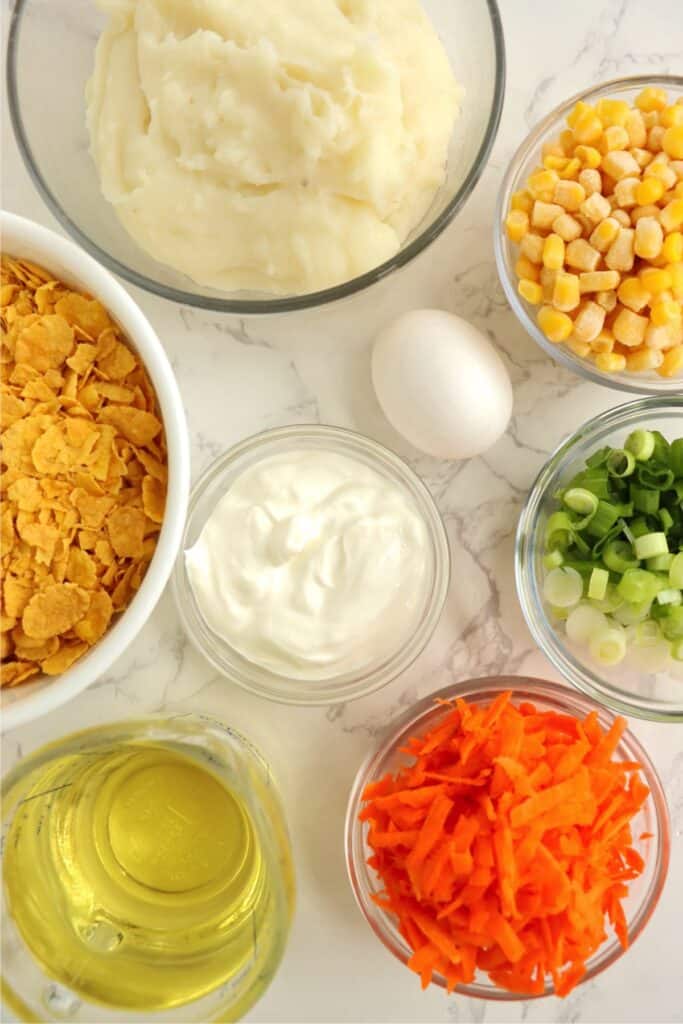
[(441, 384)]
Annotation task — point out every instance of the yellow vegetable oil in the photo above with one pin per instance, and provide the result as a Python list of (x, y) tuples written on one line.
[(137, 878)]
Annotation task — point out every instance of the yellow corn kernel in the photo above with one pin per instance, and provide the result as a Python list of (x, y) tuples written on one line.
[(614, 137), (589, 321), (604, 341), (625, 192), (620, 164), (651, 98), (590, 157), (525, 268), (555, 325), (677, 167), (555, 162), (531, 291), (531, 246), (543, 214), (671, 217), (567, 227), (659, 168), (588, 128), (553, 252), (672, 364), (662, 337), (604, 234), (675, 272), (649, 190), (655, 138), (541, 185), (620, 255), (649, 210), (649, 238), (672, 250), (571, 170), (566, 141), (521, 201), (655, 279), (635, 128), (599, 281), (581, 255), (650, 118), (665, 311), (672, 116), (629, 328), (517, 225), (641, 156), (590, 181), (643, 359), (596, 207), (607, 300), (612, 112), (552, 148), (678, 190), (569, 194), (579, 110), (633, 293), (578, 347), (622, 217), (566, 292), (610, 362)]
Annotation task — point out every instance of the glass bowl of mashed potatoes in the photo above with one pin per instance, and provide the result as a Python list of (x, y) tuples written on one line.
[(314, 566), (261, 157)]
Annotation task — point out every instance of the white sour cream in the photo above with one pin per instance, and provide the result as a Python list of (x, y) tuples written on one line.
[(311, 565)]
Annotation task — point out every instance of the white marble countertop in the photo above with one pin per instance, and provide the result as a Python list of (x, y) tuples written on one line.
[(240, 377)]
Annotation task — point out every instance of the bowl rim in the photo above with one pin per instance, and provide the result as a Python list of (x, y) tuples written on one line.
[(487, 688), (350, 685), (286, 304), (537, 621), (94, 278), (511, 179)]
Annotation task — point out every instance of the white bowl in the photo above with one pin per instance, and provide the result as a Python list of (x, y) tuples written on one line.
[(24, 239)]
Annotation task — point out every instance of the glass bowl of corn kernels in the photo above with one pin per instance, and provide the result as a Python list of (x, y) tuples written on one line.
[(589, 234)]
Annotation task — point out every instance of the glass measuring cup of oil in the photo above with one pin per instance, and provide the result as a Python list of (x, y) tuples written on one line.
[(147, 875)]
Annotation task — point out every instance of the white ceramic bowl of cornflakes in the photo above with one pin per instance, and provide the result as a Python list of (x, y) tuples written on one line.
[(95, 487)]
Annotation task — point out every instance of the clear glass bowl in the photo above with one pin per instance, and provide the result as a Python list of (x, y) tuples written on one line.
[(522, 164), (48, 115), (26, 987), (213, 485), (644, 892), (626, 688)]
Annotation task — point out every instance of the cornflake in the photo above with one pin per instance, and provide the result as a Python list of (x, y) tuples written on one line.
[(83, 474)]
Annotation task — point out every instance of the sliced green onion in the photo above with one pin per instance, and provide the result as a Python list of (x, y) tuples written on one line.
[(620, 463), (660, 478), (666, 519), (629, 614), (676, 457), (660, 563), (597, 585), (676, 649), (595, 480), (553, 559), (641, 443), (580, 500), (638, 585), (603, 519), (639, 527), (676, 571), (598, 458), (609, 646), (563, 587), (670, 596), (559, 530), (672, 623), (644, 499), (650, 545), (584, 622), (619, 557), (610, 602), (646, 634)]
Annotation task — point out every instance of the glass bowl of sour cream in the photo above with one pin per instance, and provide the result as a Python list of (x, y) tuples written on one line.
[(314, 565)]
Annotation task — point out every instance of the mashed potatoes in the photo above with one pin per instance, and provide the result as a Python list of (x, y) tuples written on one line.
[(278, 145)]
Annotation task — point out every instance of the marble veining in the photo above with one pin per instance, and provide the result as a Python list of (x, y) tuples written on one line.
[(240, 376)]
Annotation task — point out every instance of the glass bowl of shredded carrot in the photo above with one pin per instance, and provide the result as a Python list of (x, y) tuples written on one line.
[(507, 839), (605, 518)]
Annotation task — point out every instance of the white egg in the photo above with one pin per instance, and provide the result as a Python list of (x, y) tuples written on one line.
[(441, 384)]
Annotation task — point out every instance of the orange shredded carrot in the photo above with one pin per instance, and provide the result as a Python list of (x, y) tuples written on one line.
[(505, 846)]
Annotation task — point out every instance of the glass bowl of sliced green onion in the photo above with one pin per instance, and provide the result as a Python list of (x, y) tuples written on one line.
[(599, 559)]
